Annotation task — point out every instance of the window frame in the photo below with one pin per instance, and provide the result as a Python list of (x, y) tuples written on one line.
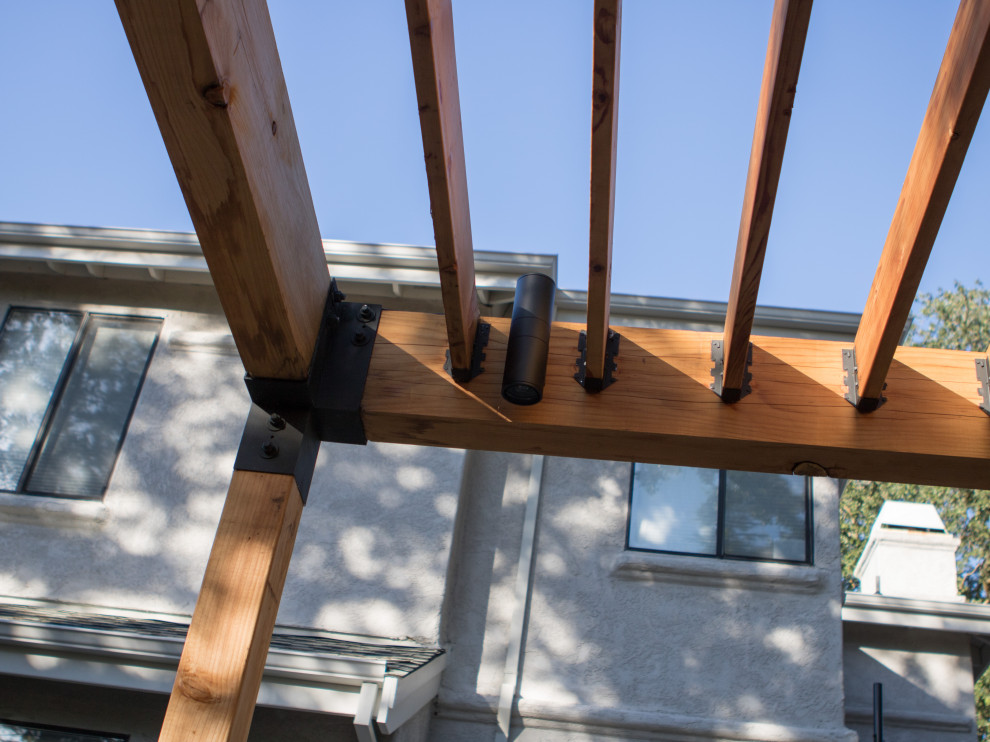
[(61, 385), (809, 541)]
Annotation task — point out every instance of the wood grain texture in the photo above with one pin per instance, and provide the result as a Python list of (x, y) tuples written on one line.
[(215, 84), (788, 31), (604, 139), (431, 40), (953, 111), (931, 431), (220, 670)]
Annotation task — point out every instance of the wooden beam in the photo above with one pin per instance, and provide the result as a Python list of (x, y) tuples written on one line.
[(661, 409), (788, 31), (604, 137), (220, 670), (431, 40), (953, 111), (215, 84)]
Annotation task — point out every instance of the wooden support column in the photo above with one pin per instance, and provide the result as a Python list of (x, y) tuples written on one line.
[(431, 40), (604, 138), (953, 111), (788, 31), (213, 76), (224, 655), (215, 84), (931, 432)]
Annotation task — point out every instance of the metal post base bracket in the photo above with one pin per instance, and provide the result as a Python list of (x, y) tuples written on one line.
[(326, 406), (983, 374), (863, 404), (591, 385), (463, 375), (718, 374)]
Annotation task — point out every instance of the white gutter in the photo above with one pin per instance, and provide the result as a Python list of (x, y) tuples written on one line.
[(296, 680), (177, 257), (524, 586)]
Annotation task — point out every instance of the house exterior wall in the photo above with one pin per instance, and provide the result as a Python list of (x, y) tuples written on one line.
[(927, 679), (409, 542)]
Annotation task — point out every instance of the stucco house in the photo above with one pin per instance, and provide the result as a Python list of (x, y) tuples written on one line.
[(435, 593)]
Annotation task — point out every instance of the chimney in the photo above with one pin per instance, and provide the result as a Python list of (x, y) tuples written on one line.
[(909, 554)]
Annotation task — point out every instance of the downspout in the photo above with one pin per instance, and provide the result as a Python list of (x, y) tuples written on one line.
[(524, 587)]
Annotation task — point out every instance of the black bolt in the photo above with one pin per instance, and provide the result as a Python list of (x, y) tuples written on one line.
[(269, 449), (338, 295), (276, 422), (360, 337), (366, 313)]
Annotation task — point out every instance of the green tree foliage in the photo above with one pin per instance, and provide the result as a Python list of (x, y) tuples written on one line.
[(956, 320)]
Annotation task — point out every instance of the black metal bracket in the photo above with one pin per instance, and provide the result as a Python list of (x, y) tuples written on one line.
[(718, 374), (271, 444), (462, 375), (591, 385), (863, 404), (326, 406), (983, 374)]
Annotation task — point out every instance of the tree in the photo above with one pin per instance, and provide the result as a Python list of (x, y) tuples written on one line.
[(955, 320)]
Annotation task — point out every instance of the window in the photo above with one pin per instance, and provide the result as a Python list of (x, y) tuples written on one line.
[(728, 514), (68, 384), (13, 731)]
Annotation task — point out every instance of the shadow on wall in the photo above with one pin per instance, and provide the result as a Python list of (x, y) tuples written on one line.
[(636, 653)]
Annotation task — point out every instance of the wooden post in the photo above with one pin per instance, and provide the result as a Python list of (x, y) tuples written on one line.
[(224, 655), (604, 138), (431, 40), (953, 112), (788, 31)]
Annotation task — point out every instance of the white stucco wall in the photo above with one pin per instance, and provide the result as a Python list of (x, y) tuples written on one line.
[(372, 551), (625, 645), (927, 679)]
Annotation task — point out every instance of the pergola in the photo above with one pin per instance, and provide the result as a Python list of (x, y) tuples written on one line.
[(338, 372)]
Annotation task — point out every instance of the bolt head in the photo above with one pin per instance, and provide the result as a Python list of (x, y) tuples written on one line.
[(269, 449), (366, 313)]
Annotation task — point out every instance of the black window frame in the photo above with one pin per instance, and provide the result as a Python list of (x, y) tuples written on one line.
[(809, 541), (59, 391)]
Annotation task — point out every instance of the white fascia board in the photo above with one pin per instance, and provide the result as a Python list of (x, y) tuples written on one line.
[(936, 615), (154, 251), (402, 697)]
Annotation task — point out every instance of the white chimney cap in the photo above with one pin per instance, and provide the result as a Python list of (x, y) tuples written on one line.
[(918, 515)]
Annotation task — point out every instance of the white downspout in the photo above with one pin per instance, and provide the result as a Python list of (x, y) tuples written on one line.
[(524, 585), (364, 724)]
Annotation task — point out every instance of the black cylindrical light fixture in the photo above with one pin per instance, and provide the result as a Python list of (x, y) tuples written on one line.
[(529, 340)]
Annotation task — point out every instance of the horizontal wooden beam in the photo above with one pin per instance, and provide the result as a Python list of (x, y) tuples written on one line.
[(788, 31), (431, 40), (660, 409), (604, 140), (953, 112), (223, 658), (216, 87)]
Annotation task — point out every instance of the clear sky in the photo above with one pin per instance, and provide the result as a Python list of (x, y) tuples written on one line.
[(79, 145)]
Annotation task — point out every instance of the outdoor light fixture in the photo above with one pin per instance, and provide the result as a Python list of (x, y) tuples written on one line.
[(529, 340)]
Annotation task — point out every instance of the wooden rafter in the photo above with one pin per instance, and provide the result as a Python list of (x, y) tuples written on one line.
[(604, 138), (216, 87), (223, 658), (431, 40), (953, 111), (788, 31), (931, 431)]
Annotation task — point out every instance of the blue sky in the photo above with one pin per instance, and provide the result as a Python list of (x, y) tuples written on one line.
[(79, 145)]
